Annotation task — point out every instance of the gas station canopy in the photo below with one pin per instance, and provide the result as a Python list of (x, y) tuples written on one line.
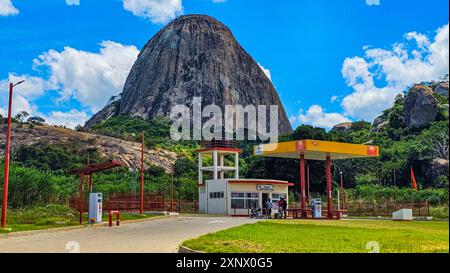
[(316, 150), (309, 149)]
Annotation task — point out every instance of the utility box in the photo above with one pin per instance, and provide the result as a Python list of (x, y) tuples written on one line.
[(95, 207), (316, 206), (403, 215)]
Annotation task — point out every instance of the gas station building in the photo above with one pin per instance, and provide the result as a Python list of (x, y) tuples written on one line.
[(233, 196)]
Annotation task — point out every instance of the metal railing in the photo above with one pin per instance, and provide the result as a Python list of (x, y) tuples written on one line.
[(179, 206), (386, 209), (218, 144)]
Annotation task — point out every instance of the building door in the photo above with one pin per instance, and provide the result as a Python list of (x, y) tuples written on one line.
[(265, 196)]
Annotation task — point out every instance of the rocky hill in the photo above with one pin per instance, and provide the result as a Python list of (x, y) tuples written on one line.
[(193, 56), (107, 147)]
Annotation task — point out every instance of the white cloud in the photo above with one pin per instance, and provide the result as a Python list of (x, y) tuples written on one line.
[(158, 11), (31, 89), (23, 100), (69, 119), (266, 71), (333, 99), (373, 2), (7, 8), (219, 1), (73, 2), (19, 104), (398, 67), (91, 78), (318, 117)]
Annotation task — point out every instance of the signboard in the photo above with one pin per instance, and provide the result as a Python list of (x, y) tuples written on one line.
[(264, 187)]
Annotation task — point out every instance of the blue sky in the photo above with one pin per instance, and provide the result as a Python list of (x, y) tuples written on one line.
[(331, 61)]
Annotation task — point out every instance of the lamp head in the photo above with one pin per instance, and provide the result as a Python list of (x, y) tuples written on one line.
[(19, 82)]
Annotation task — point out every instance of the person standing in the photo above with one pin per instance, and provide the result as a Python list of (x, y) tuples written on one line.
[(283, 206), (269, 206), (280, 208)]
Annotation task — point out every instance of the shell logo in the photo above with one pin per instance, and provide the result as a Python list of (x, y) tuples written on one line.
[(372, 150), (300, 145)]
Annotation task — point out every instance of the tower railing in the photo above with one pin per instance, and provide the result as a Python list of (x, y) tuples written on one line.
[(218, 144)]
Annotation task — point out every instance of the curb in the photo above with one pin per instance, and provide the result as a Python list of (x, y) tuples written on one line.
[(143, 220), (184, 249), (69, 228), (39, 231)]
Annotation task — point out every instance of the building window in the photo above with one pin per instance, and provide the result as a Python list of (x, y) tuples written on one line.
[(216, 195), (244, 200)]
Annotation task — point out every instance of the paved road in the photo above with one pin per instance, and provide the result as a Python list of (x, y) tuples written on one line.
[(161, 235)]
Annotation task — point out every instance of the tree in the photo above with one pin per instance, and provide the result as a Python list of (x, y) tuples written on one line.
[(309, 132), (21, 116), (35, 120), (436, 140)]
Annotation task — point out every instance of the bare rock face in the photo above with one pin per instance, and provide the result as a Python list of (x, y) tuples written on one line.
[(342, 127), (108, 111), (108, 147), (379, 124), (442, 89), (194, 56), (420, 107)]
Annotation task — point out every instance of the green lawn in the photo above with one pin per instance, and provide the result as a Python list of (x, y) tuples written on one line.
[(54, 216), (324, 236)]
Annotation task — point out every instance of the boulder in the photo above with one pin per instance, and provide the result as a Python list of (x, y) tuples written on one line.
[(439, 166), (442, 89), (194, 56), (420, 107), (342, 127)]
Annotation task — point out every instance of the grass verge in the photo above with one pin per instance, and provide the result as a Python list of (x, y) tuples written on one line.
[(324, 236), (54, 216)]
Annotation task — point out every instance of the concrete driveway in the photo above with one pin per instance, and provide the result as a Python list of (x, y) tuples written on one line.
[(158, 235)]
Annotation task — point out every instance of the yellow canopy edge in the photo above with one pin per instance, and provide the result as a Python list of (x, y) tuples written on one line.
[(316, 150)]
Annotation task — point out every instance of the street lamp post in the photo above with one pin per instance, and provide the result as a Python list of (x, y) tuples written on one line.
[(6, 174)]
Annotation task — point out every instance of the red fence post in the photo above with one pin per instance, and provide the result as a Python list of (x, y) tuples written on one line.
[(111, 214), (80, 204), (329, 194)]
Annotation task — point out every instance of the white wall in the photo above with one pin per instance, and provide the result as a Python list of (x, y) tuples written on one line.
[(217, 206)]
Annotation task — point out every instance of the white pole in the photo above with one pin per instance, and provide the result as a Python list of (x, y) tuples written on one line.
[(215, 163), (222, 172), (200, 166), (236, 165)]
